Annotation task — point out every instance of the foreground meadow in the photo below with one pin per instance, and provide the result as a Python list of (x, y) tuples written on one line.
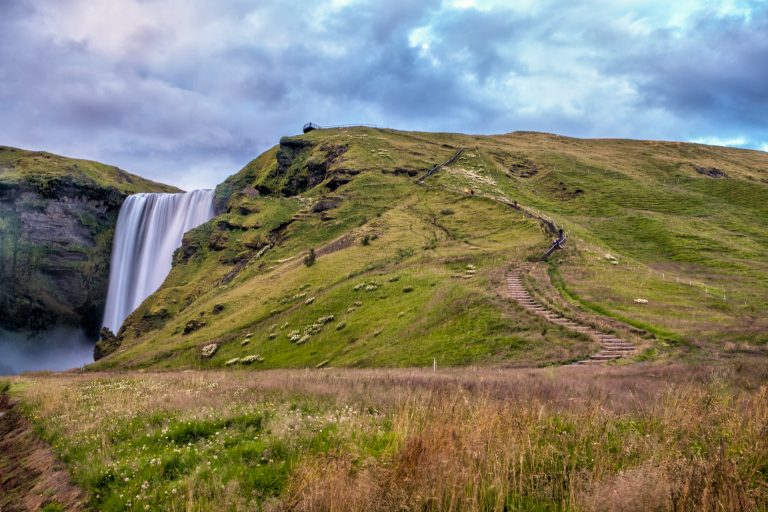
[(641, 437)]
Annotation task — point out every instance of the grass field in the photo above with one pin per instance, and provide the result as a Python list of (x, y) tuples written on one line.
[(643, 437)]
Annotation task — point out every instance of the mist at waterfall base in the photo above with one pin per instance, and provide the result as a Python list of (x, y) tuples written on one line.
[(149, 229), (56, 349)]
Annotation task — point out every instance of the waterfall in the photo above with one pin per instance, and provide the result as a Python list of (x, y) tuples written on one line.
[(149, 230)]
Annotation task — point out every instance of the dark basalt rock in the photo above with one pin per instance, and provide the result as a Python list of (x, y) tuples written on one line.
[(402, 171), (55, 245), (525, 169), (712, 172), (218, 241), (290, 148), (336, 182), (326, 203), (107, 344), (189, 248), (192, 326), (302, 171)]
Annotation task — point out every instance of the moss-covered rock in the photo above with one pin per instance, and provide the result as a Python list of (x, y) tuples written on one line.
[(107, 344)]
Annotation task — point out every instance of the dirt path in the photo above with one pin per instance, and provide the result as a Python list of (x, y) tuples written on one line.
[(612, 347), (30, 475)]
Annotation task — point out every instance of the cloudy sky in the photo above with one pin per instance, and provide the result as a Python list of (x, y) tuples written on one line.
[(188, 91)]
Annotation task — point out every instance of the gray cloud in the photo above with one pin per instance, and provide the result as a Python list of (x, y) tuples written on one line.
[(187, 92)]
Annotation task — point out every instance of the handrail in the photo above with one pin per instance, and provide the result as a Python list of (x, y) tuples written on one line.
[(312, 126), (436, 167), (549, 224), (557, 244)]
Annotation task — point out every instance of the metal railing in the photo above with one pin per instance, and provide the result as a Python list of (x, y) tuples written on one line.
[(312, 126), (436, 167)]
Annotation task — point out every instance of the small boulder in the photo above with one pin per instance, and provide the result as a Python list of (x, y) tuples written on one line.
[(208, 350), (712, 172), (192, 326), (327, 203)]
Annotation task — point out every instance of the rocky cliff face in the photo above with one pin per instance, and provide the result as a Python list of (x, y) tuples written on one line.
[(57, 219), (54, 257)]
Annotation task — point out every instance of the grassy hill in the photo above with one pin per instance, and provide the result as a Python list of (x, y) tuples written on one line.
[(45, 171), (409, 269)]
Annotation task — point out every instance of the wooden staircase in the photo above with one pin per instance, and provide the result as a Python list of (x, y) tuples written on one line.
[(612, 347)]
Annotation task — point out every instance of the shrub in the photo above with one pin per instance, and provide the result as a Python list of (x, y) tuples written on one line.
[(310, 258), (404, 253)]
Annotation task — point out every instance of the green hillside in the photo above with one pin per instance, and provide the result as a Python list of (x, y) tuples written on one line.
[(46, 171), (409, 269)]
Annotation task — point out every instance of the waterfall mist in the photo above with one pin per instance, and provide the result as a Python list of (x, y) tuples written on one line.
[(57, 349), (149, 229)]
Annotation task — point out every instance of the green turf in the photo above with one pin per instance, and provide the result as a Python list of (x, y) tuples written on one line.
[(47, 171)]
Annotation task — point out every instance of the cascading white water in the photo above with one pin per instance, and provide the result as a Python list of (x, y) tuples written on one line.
[(149, 230)]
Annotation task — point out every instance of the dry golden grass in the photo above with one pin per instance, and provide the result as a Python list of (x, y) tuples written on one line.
[(641, 437), (559, 442)]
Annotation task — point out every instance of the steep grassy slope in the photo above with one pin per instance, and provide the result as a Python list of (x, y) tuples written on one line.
[(408, 271), (57, 217)]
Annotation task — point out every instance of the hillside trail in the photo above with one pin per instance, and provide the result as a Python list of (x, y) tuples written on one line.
[(31, 477), (612, 346)]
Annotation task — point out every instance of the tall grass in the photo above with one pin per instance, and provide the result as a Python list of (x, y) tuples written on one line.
[(646, 437), (694, 447)]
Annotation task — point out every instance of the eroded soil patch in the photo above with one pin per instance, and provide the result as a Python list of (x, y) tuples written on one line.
[(30, 476)]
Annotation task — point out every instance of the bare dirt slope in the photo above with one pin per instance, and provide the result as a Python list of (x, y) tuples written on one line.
[(31, 477)]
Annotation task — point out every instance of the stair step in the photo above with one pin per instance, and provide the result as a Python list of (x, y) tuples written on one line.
[(611, 346), (603, 357)]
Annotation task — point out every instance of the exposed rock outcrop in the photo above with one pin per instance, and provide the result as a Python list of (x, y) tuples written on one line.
[(107, 344), (54, 255), (57, 220)]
